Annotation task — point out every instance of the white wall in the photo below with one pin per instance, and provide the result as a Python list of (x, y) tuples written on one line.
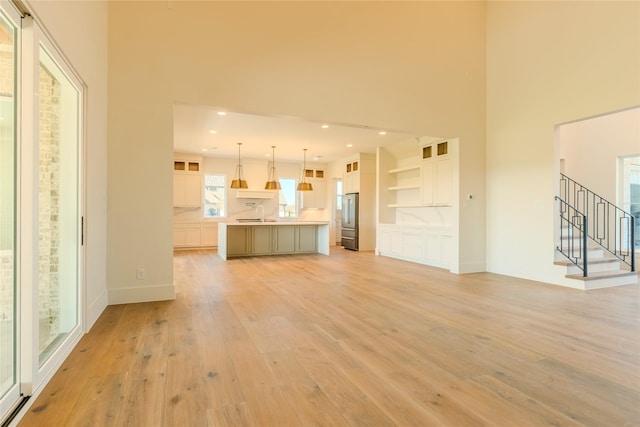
[(591, 149), (547, 63), (80, 30), (412, 66)]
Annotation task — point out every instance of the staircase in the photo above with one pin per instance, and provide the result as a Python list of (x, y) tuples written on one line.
[(595, 240)]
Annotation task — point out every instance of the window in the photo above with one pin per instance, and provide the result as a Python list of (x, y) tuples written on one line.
[(214, 196), (631, 191), (287, 206), (339, 194)]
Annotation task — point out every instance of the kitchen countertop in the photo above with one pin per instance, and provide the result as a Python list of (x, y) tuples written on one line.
[(274, 222)]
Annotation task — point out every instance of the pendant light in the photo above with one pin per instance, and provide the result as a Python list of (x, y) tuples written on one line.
[(238, 180), (304, 185), (272, 180)]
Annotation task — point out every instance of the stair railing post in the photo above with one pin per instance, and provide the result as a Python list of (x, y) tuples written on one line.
[(584, 246), (633, 244)]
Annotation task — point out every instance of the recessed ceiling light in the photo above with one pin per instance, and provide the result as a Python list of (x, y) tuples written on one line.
[(349, 145), (382, 132), (213, 131), (324, 126), (204, 149), (222, 113)]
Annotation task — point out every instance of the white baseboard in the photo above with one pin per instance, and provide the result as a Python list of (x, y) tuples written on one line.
[(469, 267), (135, 294), (94, 309)]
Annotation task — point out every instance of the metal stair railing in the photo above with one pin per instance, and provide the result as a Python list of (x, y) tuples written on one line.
[(573, 235), (604, 223)]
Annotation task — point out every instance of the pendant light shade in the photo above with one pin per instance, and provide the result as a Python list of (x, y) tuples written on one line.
[(272, 180), (304, 185), (238, 179)]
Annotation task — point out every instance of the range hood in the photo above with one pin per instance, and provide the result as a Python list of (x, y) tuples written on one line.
[(255, 194)]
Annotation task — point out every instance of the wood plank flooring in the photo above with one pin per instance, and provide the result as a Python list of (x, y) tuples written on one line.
[(352, 339)]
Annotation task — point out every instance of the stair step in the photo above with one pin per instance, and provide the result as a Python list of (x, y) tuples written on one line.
[(603, 279), (593, 265)]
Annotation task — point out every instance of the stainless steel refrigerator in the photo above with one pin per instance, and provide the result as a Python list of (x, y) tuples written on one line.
[(349, 237)]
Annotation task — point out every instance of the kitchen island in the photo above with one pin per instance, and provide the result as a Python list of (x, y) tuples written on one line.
[(258, 238)]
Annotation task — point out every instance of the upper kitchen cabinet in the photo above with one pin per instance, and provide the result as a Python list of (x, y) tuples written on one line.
[(436, 170), (359, 173), (315, 199), (187, 180)]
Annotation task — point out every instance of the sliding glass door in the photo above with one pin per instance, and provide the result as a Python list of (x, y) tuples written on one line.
[(58, 205), (41, 253), (9, 392)]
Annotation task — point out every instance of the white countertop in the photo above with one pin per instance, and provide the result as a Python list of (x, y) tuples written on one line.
[(276, 222)]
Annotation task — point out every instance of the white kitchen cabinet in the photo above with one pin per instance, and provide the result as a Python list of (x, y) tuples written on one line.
[(436, 174), (187, 182), (421, 244), (315, 199), (186, 235), (210, 234), (351, 177)]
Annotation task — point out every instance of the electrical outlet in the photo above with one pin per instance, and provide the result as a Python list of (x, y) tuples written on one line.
[(140, 274)]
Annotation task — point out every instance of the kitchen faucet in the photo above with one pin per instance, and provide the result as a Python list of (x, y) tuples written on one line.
[(260, 215)]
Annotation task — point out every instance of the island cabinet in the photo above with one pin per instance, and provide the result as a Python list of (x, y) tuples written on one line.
[(261, 239), (238, 239), (283, 239), (306, 239)]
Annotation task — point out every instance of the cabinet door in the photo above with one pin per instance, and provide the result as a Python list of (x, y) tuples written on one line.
[(179, 189), (179, 236), (384, 241), (210, 234), (412, 245), (261, 240), (314, 199), (193, 189), (284, 239), (238, 240), (193, 236), (442, 188), (426, 186), (306, 238)]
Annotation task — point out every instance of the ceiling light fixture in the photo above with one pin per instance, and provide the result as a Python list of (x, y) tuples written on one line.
[(304, 185), (324, 126), (382, 132), (272, 180), (212, 131), (238, 180), (222, 113), (349, 145)]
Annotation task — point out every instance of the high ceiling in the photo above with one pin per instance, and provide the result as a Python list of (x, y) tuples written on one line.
[(199, 128)]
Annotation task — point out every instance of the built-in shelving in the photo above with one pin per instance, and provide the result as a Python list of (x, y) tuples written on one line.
[(405, 169), (403, 205), (403, 187)]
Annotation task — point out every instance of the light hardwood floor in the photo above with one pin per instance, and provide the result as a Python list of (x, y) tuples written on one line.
[(352, 339)]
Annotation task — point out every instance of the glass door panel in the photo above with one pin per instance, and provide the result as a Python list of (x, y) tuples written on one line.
[(58, 206), (8, 315)]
